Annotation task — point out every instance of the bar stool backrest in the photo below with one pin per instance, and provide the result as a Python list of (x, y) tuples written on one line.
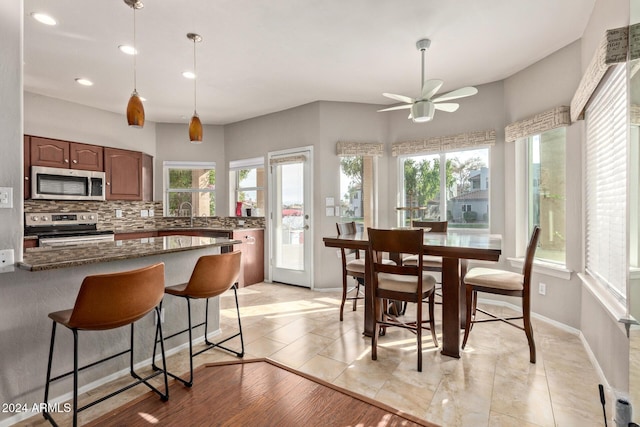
[(107, 301), (213, 275)]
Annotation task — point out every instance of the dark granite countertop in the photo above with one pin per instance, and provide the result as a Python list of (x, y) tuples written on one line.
[(47, 258)]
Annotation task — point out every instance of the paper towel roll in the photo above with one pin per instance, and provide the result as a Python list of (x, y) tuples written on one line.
[(623, 412)]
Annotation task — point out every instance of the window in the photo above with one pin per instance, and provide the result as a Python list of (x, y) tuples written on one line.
[(357, 189), (605, 175), (247, 178), (459, 193), (189, 189), (546, 192)]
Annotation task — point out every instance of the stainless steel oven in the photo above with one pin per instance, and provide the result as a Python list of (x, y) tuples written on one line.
[(65, 228)]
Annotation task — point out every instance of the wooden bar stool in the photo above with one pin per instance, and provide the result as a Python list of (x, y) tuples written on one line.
[(212, 276), (109, 301)]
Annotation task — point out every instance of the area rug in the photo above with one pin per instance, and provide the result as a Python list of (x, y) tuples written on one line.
[(256, 392)]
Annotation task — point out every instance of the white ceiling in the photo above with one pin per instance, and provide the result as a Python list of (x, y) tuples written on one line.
[(258, 57)]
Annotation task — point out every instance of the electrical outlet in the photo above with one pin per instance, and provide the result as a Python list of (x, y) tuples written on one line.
[(118, 213), (152, 212), (542, 288), (6, 260), (144, 213), (6, 197)]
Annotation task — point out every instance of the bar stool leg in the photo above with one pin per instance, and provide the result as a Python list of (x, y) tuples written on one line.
[(75, 377), (45, 413)]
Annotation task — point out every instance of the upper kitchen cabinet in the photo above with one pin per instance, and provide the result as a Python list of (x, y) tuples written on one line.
[(64, 154), (129, 175)]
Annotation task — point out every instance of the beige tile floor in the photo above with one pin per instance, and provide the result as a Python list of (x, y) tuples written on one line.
[(492, 384)]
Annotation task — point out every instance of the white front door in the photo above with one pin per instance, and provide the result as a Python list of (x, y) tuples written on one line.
[(290, 216)]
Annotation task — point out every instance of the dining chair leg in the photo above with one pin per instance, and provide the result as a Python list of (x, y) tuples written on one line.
[(376, 332), (419, 334), (344, 296), (355, 299), (528, 329), (467, 326), (432, 318)]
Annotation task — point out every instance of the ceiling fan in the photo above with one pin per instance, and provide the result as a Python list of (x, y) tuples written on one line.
[(423, 108)]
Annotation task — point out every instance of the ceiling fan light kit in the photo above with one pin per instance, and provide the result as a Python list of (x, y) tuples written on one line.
[(423, 108)]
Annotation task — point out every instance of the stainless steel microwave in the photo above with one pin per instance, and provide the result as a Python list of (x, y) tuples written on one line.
[(66, 184)]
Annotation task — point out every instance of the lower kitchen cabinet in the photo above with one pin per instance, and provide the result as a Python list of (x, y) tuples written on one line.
[(252, 248)]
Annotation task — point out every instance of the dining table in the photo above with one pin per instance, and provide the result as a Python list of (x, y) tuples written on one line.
[(456, 247)]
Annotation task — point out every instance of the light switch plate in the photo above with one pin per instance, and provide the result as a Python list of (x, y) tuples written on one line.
[(6, 197), (118, 213), (144, 213), (152, 212)]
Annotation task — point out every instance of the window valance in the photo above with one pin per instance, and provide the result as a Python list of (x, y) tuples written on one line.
[(297, 158), (612, 49), (441, 144), (539, 123), (346, 148)]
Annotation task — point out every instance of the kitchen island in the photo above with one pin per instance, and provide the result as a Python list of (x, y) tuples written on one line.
[(48, 280), (48, 258)]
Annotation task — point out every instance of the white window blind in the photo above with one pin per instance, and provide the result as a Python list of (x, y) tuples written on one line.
[(606, 183)]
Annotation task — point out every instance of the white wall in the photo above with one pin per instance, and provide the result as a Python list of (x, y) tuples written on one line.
[(11, 221), (58, 119)]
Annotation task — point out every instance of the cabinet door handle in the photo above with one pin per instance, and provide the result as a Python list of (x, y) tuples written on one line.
[(250, 240), (75, 161), (108, 183), (66, 160), (26, 178)]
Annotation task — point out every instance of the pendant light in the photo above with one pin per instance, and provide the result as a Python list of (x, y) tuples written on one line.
[(135, 109), (195, 126)]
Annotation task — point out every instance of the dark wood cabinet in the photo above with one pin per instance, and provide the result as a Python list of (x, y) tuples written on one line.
[(86, 157), (252, 248), (27, 167), (64, 154), (123, 169), (49, 152)]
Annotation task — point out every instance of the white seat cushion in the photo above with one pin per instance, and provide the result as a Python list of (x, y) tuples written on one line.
[(357, 265), (397, 282), (494, 278), (427, 261)]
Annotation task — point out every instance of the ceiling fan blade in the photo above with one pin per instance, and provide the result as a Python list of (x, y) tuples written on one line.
[(400, 98), (397, 107), (430, 88), (449, 107), (455, 94)]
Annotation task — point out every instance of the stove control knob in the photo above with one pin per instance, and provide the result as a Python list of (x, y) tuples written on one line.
[(34, 218), (45, 218), (83, 217), (92, 217)]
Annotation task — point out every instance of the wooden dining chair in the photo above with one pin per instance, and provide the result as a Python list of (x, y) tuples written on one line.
[(405, 283), (354, 268), (501, 282)]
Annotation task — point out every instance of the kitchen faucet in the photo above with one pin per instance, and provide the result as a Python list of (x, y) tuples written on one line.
[(190, 211)]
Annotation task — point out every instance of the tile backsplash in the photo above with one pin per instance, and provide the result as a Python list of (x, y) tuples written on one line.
[(132, 215)]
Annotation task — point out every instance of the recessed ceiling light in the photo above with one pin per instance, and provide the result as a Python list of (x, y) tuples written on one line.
[(44, 19), (84, 82), (129, 50), (188, 75)]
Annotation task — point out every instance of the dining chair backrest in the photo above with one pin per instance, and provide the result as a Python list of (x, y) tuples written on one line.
[(399, 241), (107, 301), (347, 228), (529, 257), (435, 226), (214, 275)]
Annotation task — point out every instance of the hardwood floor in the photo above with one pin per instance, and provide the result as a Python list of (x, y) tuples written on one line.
[(492, 384), (256, 392)]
